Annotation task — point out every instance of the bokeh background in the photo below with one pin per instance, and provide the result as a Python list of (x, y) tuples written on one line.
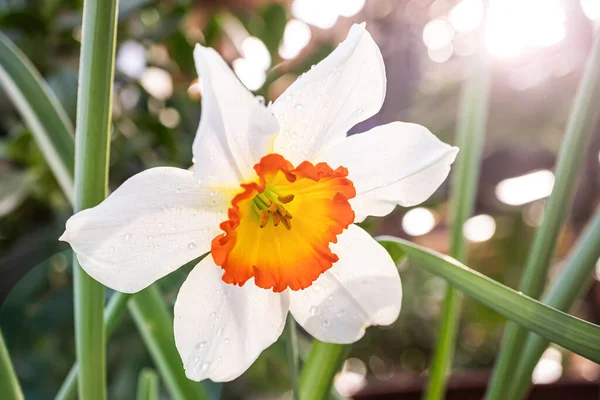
[(536, 49)]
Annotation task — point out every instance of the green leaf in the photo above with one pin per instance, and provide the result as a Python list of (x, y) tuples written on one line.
[(92, 147), (580, 128), (112, 314), (572, 333), (323, 362), (472, 121), (573, 280), (156, 326), (9, 383), (40, 109), (147, 388)]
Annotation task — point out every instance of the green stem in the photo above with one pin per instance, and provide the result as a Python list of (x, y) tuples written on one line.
[(472, 119), (570, 160), (323, 362), (112, 315), (147, 388), (155, 324), (9, 384), (573, 280), (292, 354), (92, 137)]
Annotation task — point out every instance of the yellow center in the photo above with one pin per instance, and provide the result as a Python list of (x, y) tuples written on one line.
[(258, 239)]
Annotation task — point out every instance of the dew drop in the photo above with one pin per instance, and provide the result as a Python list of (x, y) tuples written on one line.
[(298, 106), (294, 148), (359, 111), (201, 345), (294, 135), (314, 311), (220, 332), (337, 73), (213, 314), (193, 215), (178, 190), (330, 298), (179, 210), (192, 246), (288, 97), (112, 248), (325, 323), (205, 366), (226, 341), (127, 236)]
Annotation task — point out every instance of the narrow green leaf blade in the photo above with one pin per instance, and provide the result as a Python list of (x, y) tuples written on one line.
[(156, 327), (572, 333), (577, 137), (323, 362), (472, 122), (41, 111), (9, 384), (573, 280), (147, 388)]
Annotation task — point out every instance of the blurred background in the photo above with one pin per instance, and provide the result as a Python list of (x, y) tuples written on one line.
[(536, 49)]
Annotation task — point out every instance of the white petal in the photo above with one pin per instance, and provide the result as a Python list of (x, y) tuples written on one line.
[(322, 105), (236, 130), (221, 329), (151, 225), (363, 288), (398, 163)]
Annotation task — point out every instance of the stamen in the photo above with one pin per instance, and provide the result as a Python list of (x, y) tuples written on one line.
[(272, 207), (276, 219), (286, 222), (286, 199), (284, 213), (264, 218)]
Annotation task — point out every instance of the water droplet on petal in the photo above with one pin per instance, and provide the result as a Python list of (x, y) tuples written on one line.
[(325, 323), (288, 97), (314, 311), (201, 345), (213, 314), (205, 366), (226, 341), (112, 248), (192, 246), (298, 106), (178, 190), (127, 236)]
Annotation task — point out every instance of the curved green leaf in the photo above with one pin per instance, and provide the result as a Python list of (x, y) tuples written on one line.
[(41, 111), (563, 329), (9, 384)]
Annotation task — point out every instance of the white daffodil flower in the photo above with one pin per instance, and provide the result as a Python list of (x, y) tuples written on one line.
[(273, 195)]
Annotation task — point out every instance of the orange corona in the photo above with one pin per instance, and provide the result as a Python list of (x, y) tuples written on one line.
[(280, 226)]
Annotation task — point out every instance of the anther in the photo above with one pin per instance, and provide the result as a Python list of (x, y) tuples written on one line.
[(272, 207), (286, 199), (284, 213), (276, 219), (286, 222), (264, 218)]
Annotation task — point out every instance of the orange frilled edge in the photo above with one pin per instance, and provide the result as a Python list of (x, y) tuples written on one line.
[(276, 257)]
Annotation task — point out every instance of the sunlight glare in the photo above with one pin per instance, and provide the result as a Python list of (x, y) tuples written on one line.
[(515, 25), (251, 75), (466, 15), (296, 37), (526, 188), (479, 228), (418, 221)]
